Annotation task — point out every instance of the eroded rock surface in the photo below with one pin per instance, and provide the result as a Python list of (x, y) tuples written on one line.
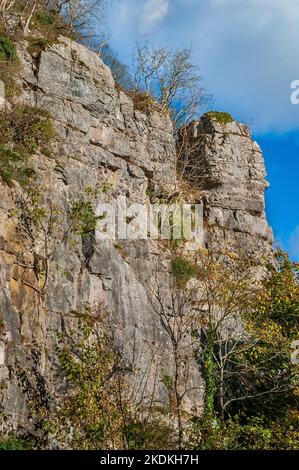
[(103, 148), (233, 181)]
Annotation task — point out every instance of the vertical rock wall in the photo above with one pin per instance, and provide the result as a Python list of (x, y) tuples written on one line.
[(232, 177), (105, 147)]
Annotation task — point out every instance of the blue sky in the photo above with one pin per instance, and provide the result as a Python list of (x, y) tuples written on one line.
[(247, 51)]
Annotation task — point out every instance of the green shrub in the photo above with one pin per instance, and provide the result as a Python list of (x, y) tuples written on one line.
[(183, 269), (98, 414), (36, 126), (151, 435), (7, 49), (143, 102), (222, 118), (27, 127), (14, 166), (247, 433), (84, 218), (37, 45), (44, 18), (167, 380), (8, 73), (50, 25), (9, 66), (22, 131), (14, 443)]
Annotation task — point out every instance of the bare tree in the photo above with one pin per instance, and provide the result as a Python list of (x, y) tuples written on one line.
[(146, 66), (120, 71), (172, 304), (47, 227), (29, 18), (6, 5), (42, 225), (80, 14), (191, 161), (171, 77)]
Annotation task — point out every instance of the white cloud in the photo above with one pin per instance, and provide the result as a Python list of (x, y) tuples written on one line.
[(137, 16), (247, 49), (152, 13)]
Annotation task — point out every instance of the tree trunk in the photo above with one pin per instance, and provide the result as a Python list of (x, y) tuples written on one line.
[(30, 18)]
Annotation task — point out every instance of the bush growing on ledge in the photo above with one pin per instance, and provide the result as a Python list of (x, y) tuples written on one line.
[(45, 18), (27, 127), (37, 45), (183, 269), (99, 413), (222, 118), (49, 25), (7, 49), (22, 131), (83, 217), (9, 65), (143, 102), (14, 166), (31, 127), (14, 443)]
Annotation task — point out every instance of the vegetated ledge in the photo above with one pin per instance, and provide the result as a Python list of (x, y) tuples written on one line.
[(220, 116)]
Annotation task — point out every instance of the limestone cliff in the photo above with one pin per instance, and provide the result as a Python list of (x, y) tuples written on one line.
[(105, 147), (231, 174)]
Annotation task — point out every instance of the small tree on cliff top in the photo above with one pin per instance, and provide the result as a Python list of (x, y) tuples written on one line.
[(81, 16), (171, 78)]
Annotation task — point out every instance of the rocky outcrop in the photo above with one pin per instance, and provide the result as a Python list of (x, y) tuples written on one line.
[(94, 120), (104, 147), (231, 173)]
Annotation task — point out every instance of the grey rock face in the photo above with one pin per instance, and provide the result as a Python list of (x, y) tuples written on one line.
[(74, 84), (233, 181), (105, 147)]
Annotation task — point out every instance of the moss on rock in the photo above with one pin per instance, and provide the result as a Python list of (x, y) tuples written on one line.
[(221, 117)]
